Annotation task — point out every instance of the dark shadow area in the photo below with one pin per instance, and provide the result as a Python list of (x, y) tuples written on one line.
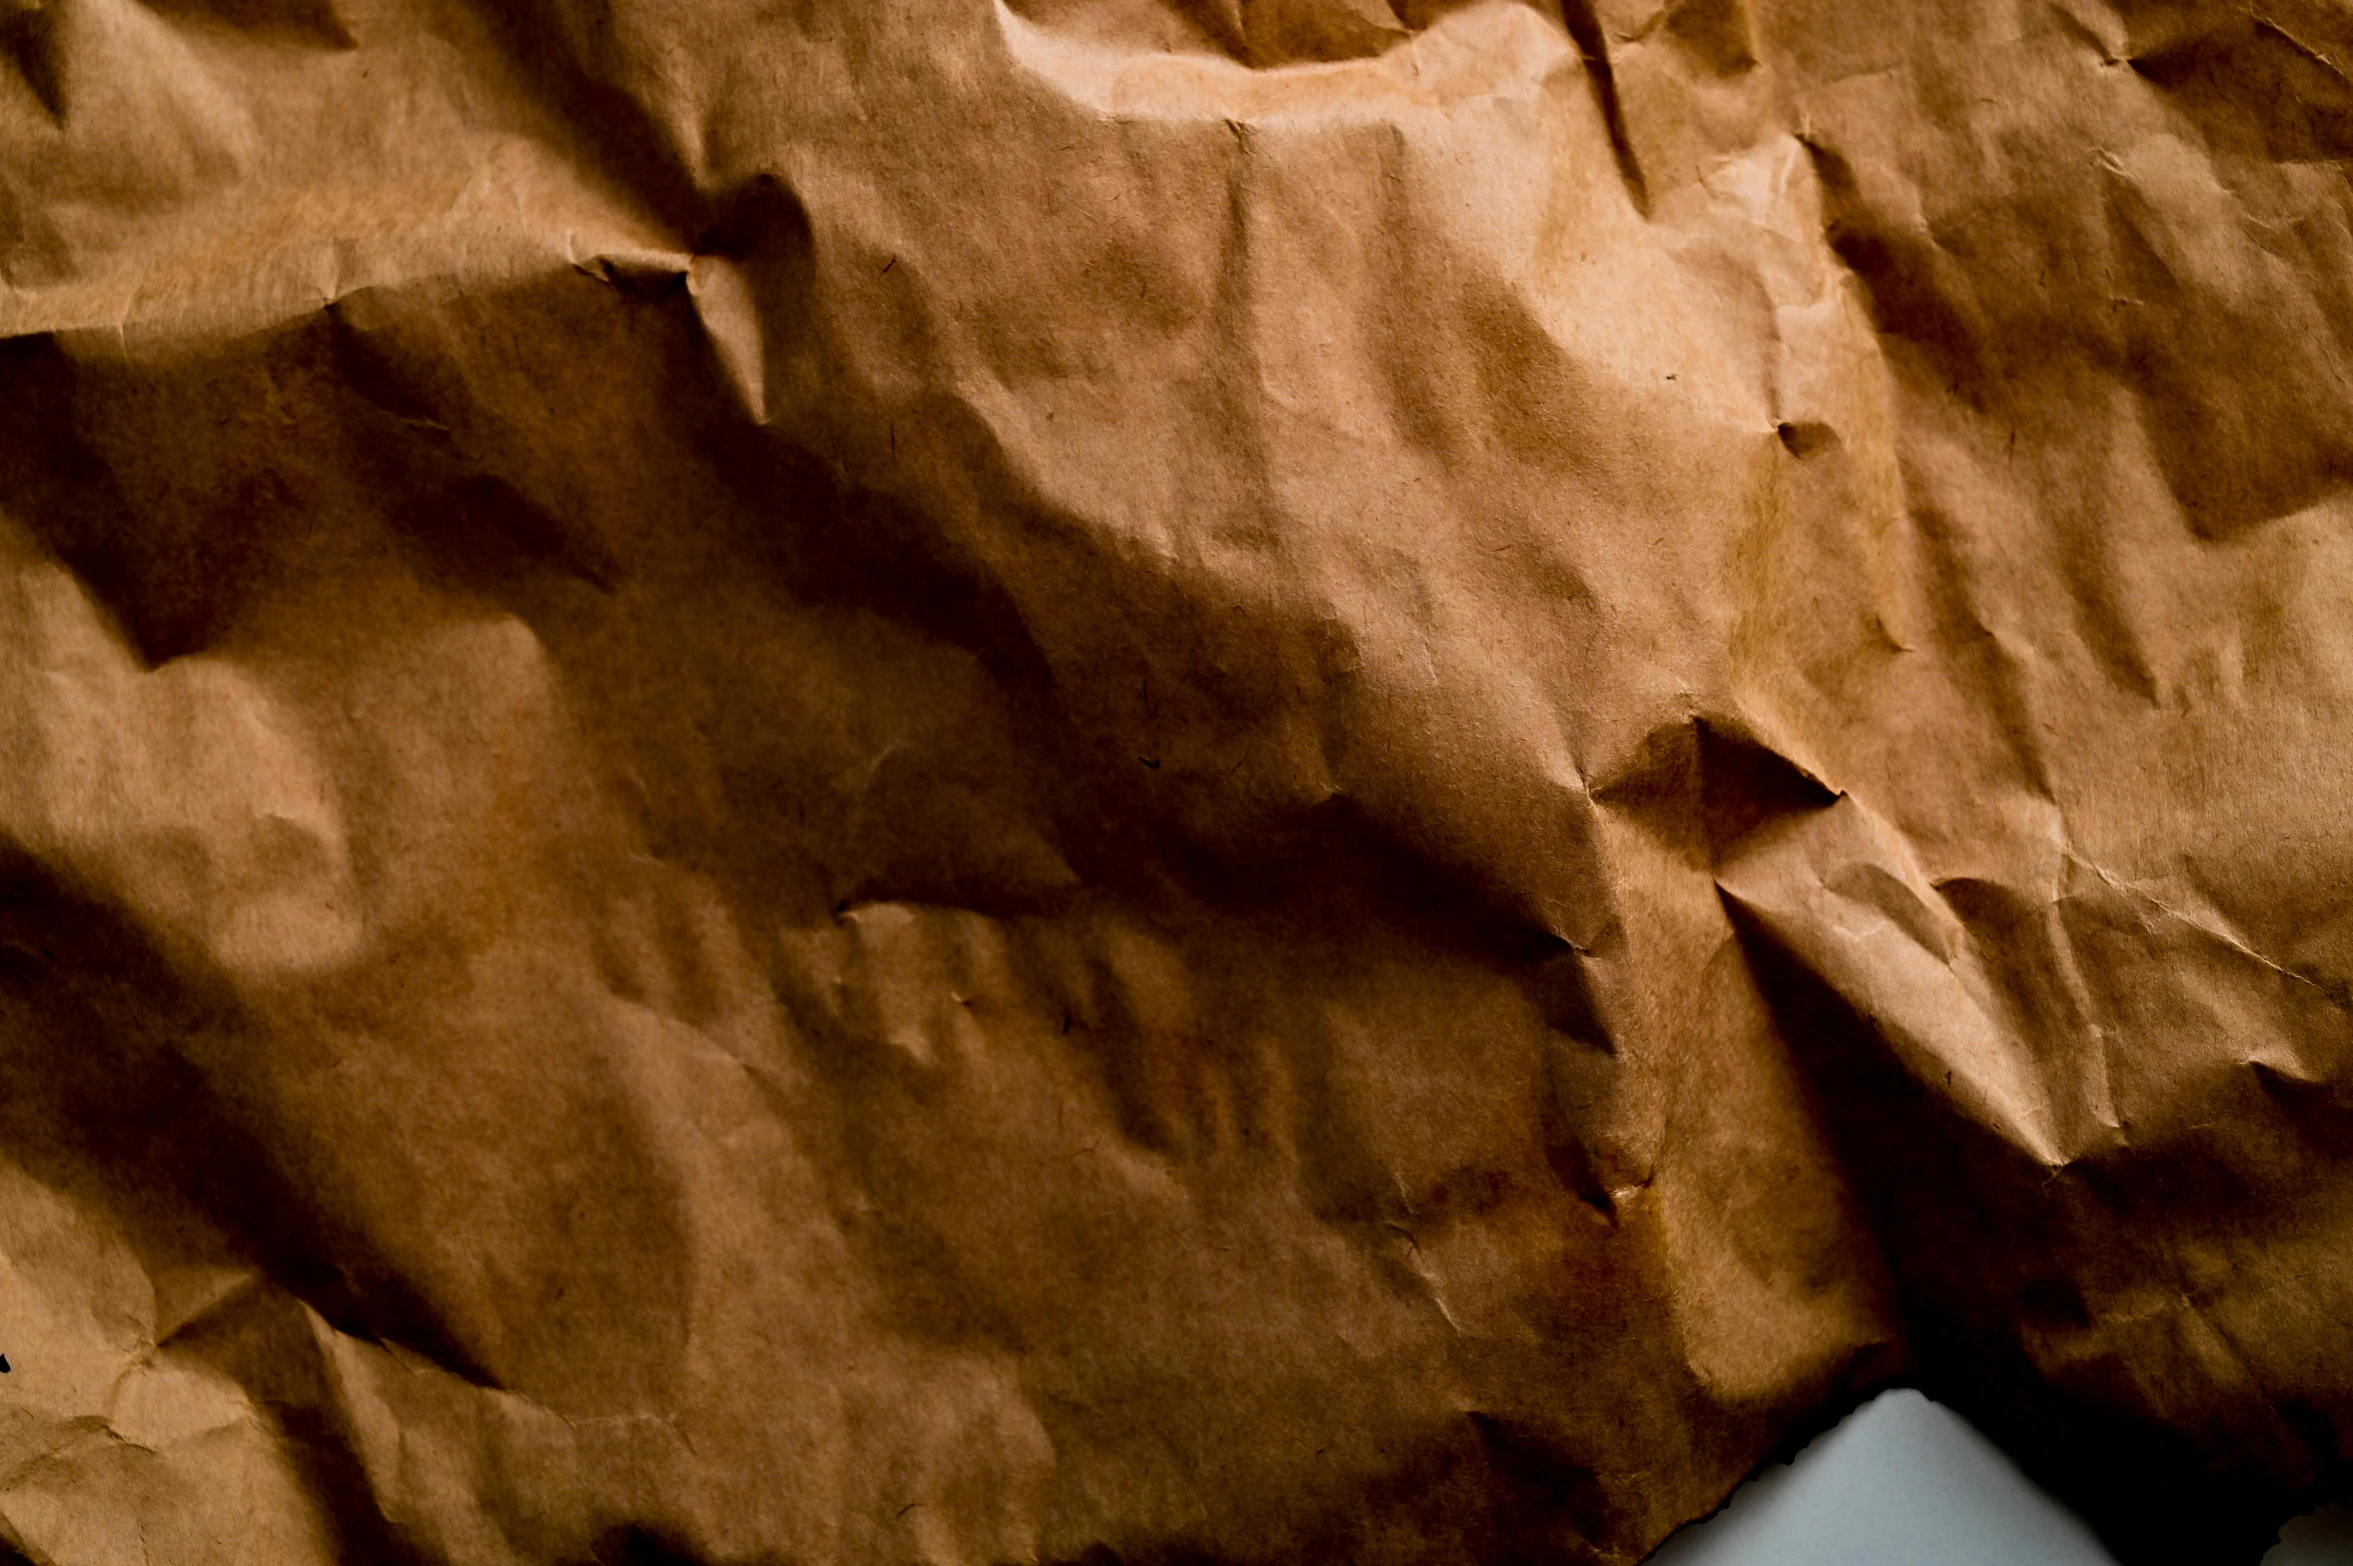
[(103, 1105), (1982, 1243)]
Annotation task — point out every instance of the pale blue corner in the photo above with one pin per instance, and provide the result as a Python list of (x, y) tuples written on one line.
[(1904, 1482)]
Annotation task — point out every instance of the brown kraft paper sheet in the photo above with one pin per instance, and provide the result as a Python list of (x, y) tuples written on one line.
[(1218, 781)]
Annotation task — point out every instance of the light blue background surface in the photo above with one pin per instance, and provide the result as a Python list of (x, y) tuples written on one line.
[(1904, 1482)]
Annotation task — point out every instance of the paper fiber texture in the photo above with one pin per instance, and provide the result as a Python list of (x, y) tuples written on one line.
[(1216, 781)]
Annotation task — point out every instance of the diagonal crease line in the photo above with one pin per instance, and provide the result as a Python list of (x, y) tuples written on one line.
[(1584, 25), (2271, 24), (2150, 899)]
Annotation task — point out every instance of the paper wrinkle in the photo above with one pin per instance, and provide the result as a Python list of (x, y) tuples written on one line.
[(1483, 49), (1847, 895), (2211, 927), (182, 200), (723, 299), (176, 791), (114, 1449)]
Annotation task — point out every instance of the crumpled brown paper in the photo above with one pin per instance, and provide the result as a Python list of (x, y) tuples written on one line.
[(1164, 780)]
